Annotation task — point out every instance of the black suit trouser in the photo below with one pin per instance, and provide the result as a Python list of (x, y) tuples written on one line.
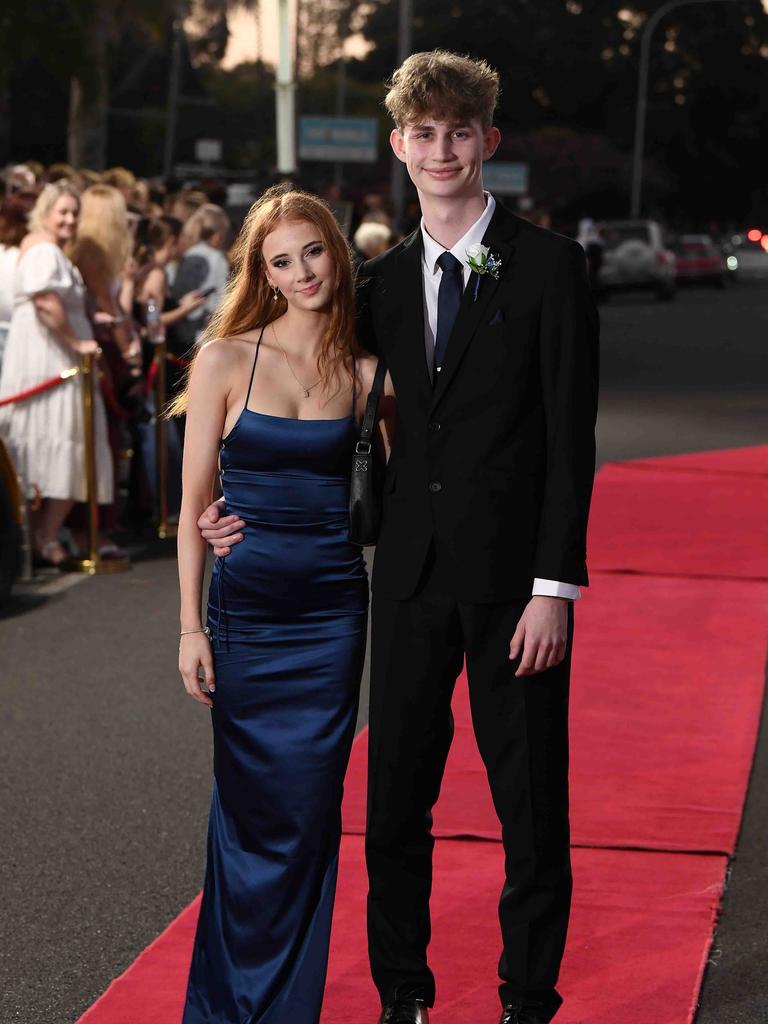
[(521, 728)]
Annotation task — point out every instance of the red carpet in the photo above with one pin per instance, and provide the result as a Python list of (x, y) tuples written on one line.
[(681, 523), (751, 461), (666, 690), (152, 990), (639, 935), (665, 672), (637, 944)]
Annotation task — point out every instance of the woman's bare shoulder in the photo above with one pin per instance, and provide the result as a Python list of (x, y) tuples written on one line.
[(221, 355), (154, 280), (366, 366)]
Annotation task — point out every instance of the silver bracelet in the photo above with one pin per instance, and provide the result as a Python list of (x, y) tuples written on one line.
[(186, 632)]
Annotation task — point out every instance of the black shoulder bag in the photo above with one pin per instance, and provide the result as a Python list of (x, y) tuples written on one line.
[(367, 472)]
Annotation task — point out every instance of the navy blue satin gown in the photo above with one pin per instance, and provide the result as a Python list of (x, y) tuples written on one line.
[(288, 614)]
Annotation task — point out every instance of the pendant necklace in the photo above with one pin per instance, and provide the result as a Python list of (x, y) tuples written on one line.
[(303, 387)]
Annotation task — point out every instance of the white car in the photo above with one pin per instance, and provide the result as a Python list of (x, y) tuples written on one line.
[(635, 255)]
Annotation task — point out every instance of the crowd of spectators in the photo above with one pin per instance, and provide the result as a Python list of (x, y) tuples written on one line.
[(83, 256)]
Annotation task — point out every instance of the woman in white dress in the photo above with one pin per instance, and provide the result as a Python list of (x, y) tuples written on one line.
[(50, 332), (13, 227)]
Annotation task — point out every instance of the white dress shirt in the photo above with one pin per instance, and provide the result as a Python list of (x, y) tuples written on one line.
[(431, 275)]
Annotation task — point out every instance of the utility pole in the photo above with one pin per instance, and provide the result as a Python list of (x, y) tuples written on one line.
[(285, 96), (341, 87), (642, 96), (404, 47), (341, 109), (174, 83)]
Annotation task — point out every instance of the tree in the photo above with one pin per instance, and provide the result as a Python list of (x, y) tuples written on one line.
[(78, 39), (572, 65)]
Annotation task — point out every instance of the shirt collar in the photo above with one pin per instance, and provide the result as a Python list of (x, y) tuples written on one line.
[(433, 250)]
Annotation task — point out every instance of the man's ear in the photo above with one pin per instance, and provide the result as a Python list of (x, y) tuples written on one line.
[(491, 142), (397, 142)]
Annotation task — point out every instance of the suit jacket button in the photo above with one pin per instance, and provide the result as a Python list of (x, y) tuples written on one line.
[(435, 487), (434, 427)]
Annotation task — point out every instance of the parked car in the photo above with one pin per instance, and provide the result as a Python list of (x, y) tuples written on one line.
[(699, 261), (10, 523), (636, 256), (751, 255)]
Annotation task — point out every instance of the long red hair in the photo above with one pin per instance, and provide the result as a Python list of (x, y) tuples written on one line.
[(249, 302)]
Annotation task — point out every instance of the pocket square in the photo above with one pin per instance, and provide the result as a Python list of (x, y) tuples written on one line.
[(497, 318)]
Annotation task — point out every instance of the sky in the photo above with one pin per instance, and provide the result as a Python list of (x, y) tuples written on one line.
[(247, 31)]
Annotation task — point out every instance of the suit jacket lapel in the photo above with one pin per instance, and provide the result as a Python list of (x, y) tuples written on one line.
[(471, 312)]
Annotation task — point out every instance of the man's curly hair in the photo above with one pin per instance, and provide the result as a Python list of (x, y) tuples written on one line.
[(442, 85)]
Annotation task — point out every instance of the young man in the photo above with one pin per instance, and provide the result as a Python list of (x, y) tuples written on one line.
[(482, 547)]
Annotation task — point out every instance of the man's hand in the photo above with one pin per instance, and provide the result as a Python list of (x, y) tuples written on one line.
[(541, 635), (218, 530)]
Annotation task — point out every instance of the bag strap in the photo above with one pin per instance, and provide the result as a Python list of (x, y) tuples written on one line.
[(363, 446)]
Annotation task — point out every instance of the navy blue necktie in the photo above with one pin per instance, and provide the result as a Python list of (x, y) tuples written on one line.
[(448, 302)]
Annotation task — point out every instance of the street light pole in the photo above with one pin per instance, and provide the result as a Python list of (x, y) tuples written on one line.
[(284, 95), (642, 95)]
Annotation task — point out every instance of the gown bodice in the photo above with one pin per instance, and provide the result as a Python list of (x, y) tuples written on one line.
[(288, 479), (295, 469)]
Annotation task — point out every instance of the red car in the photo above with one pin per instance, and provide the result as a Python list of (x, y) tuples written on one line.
[(699, 261)]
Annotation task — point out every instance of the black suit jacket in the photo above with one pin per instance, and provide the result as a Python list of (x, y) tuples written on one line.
[(496, 462)]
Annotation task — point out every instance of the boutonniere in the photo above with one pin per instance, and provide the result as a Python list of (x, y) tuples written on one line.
[(482, 261)]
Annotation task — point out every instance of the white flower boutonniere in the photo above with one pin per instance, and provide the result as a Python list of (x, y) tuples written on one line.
[(482, 261)]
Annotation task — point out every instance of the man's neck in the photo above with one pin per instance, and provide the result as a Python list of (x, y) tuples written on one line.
[(448, 220)]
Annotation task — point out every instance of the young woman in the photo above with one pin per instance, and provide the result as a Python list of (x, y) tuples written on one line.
[(275, 400), (157, 245)]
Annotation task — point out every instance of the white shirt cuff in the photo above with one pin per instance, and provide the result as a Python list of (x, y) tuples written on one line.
[(553, 588)]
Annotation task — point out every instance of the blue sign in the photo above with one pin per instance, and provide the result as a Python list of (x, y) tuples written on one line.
[(505, 179), (344, 140)]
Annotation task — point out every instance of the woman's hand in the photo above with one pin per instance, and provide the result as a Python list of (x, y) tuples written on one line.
[(195, 654), (190, 301)]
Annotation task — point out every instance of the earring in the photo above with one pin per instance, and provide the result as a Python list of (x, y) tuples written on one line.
[(275, 293)]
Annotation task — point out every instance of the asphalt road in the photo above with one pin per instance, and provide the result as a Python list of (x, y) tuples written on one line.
[(106, 764)]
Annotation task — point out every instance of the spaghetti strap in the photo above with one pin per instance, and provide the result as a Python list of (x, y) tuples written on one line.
[(354, 386), (253, 368)]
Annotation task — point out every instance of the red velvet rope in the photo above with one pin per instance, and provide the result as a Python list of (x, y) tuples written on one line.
[(110, 399), (149, 384), (152, 372), (46, 385)]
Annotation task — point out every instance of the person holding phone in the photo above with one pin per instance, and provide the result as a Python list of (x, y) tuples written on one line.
[(203, 269)]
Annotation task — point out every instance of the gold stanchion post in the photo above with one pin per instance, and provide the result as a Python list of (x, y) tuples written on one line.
[(156, 333), (93, 564), (164, 528)]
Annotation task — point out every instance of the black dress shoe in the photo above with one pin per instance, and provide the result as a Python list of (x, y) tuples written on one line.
[(510, 1015), (513, 1013), (405, 1011)]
